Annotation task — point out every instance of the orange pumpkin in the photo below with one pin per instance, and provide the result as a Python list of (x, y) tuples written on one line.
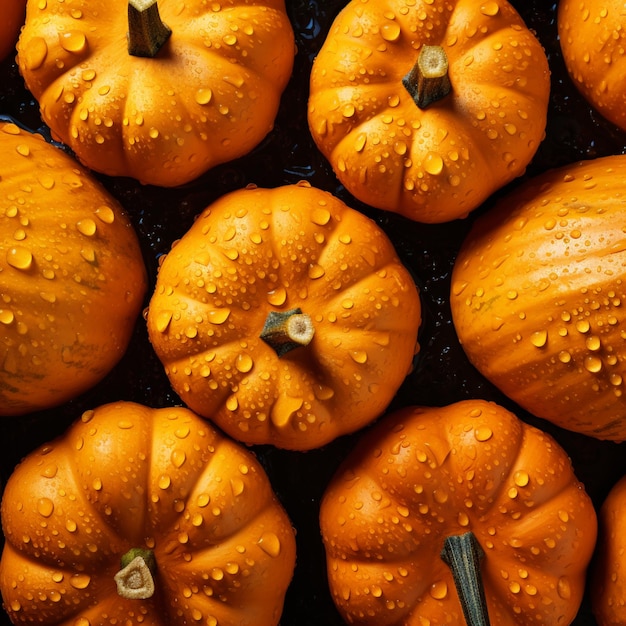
[(537, 296), (285, 316), (72, 274), (607, 584), (13, 14), (158, 96), (427, 109), (146, 516), (592, 40), (470, 481)]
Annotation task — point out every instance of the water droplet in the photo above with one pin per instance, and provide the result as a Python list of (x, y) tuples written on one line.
[(521, 478), (86, 226), (219, 316), (105, 214), (439, 589), (164, 481), (593, 343), (6, 316), (73, 41), (433, 163), (390, 31), (539, 338), (284, 409), (484, 433), (80, 581), (270, 544), (593, 364), (316, 271), (237, 486), (490, 9), (20, 258), (359, 356), (244, 363), (204, 96), (563, 588), (277, 297), (34, 53), (178, 458), (45, 507)]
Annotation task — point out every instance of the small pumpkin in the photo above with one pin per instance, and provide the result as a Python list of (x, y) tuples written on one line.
[(13, 15), (160, 93), (427, 108), (72, 273), (147, 516), (427, 490), (607, 583), (592, 43), (285, 316), (538, 295)]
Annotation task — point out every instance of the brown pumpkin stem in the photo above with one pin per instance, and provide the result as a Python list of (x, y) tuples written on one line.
[(135, 580), (462, 554), (428, 79), (146, 31), (286, 330)]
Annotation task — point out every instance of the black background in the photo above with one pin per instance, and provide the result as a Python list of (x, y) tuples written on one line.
[(442, 373)]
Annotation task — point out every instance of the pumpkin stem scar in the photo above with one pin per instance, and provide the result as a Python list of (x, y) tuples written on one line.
[(146, 31), (428, 79), (135, 580), (284, 331), (462, 554)]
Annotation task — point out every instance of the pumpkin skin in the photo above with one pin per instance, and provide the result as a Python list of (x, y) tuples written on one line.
[(158, 479), (13, 15), (438, 163), (607, 584), (423, 474), (592, 43), (537, 296), (72, 273), (210, 95), (258, 252)]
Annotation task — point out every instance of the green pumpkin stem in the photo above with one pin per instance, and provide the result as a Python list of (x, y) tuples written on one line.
[(284, 331), (428, 79), (462, 554), (146, 31), (135, 580)]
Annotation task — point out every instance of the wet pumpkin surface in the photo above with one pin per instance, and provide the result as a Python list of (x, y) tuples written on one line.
[(442, 373)]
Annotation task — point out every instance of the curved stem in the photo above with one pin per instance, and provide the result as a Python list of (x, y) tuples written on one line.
[(462, 554), (135, 580), (146, 31), (428, 80), (284, 331)]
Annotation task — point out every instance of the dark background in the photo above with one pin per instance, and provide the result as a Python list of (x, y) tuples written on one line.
[(442, 373)]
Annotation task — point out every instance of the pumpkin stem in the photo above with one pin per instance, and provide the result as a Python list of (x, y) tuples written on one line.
[(135, 580), (146, 31), (428, 79), (286, 330), (462, 554)]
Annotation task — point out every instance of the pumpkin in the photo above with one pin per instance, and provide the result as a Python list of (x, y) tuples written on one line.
[(592, 42), (607, 583), (13, 16), (160, 93), (141, 515), (426, 108), (537, 296), (430, 489), (285, 316), (72, 273)]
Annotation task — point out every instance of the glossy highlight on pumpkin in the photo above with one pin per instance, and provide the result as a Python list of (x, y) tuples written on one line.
[(209, 95), (72, 274), (537, 296), (436, 163), (255, 255), (425, 474), (126, 479)]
